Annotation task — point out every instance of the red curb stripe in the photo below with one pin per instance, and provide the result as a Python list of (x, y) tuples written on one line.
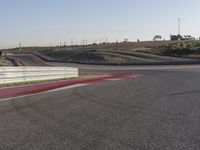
[(39, 61), (39, 88), (22, 63)]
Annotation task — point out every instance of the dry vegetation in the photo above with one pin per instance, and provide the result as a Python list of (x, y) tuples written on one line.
[(132, 51), (146, 45), (4, 62)]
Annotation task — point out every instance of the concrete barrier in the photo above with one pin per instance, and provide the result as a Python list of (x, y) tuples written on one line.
[(24, 74)]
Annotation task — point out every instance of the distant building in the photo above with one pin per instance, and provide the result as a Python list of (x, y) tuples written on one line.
[(181, 38), (188, 37), (126, 41), (176, 37)]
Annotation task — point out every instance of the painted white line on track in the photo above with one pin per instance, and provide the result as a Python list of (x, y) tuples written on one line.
[(114, 79), (68, 87), (49, 91)]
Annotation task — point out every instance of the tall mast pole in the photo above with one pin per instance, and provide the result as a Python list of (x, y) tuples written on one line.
[(179, 26)]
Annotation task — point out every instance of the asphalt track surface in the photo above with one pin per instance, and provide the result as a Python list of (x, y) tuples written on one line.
[(28, 60), (158, 111)]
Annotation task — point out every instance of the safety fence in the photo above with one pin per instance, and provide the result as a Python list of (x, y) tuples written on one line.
[(24, 74)]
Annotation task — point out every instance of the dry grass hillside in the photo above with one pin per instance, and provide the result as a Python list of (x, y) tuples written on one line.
[(122, 52), (133, 45)]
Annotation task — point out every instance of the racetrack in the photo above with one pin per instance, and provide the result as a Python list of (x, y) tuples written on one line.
[(160, 110), (30, 60)]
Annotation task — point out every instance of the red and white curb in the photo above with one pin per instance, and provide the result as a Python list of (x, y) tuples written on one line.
[(34, 58), (30, 90)]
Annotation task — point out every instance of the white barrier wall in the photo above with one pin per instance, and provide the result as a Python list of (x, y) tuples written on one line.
[(24, 74)]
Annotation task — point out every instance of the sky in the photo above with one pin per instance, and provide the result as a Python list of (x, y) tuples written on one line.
[(49, 22)]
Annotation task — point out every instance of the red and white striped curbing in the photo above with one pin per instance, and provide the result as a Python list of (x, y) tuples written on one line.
[(20, 62), (40, 61), (24, 91), (36, 59)]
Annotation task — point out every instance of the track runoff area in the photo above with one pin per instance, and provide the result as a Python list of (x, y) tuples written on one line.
[(129, 108), (30, 90), (108, 74)]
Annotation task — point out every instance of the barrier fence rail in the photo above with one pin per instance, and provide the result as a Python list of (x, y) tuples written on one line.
[(24, 74), (122, 63)]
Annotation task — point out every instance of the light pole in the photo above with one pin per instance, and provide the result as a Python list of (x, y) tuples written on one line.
[(179, 26), (20, 46)]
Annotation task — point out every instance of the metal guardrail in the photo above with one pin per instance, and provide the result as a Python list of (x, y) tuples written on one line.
[(24, 74), (123, 63)]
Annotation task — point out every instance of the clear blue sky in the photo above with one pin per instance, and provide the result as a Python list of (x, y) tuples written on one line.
[(49, 22)]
